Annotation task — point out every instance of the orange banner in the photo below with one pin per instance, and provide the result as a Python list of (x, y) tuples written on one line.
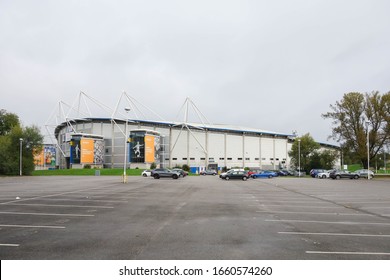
[(149, 148), (87, 153)]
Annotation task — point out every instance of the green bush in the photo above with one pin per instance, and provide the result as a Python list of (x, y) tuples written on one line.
[(186, 167)]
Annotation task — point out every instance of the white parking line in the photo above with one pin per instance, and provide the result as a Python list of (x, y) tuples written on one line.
[(84, 200), (334, 234), (9, 245), (376, 207), (349, 253), (326, 222), (47, 214), (50, 195), (300, 206), (27, 226), (61, 205), (316, 213)]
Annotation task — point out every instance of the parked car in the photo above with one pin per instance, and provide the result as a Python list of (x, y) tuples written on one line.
[(289, 172), (231, 170), (208, 172), (180, 171), (282, 173), (146, 173), (233, 174), (324, 175), (253, 171), (164, 172), (338, 174), (264, 174), (364, 173), (314, 172), (298, 173)]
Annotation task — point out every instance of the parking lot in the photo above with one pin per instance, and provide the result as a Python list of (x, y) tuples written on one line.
[(193, 218)]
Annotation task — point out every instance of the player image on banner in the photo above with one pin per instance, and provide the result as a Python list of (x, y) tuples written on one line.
[(98, 151), (157, 149), (137, 148), (75, 151)]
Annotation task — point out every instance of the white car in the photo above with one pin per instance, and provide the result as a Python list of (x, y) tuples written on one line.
[(146, 173), (323, 175)]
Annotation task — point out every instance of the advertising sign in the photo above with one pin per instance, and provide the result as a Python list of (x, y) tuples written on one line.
[(75, 151), (149, 148), (137, 148), (87, 150)]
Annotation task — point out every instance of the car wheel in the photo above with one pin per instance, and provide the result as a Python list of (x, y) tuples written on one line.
[(356, 177), (323, 176), (227, 178), (244, 178), (144, 175), (338, 177), (156, 176), (174, 176), (270, 176)]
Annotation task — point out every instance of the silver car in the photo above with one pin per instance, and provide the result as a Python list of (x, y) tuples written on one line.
[(364, 173), (324, 175)]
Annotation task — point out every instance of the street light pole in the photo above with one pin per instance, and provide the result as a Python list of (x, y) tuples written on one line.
[(299, 157), (125, 157), (368, 151), (20, 155)]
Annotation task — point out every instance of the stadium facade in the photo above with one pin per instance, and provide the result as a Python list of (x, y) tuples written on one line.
[(112, 142)]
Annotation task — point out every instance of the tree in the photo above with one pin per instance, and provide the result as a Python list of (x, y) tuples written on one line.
[(328, 158), (32, 141), (7, 122), (304, 147), (358, 114)]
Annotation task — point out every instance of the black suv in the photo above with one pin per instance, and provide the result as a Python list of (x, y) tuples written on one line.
[(338, 174), (163, 172)]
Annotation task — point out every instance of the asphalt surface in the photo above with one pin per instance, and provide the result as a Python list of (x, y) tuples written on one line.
[(203, 218)]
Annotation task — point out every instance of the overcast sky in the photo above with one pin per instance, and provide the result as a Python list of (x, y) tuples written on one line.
[(274, 65)]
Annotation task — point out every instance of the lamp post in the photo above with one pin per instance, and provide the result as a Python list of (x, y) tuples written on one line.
[(20, 155), (127, 109), (368, 150), (384, 159), (299, 157)]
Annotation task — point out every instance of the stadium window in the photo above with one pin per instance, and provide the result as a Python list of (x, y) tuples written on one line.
[(202, 158), (240, 158), (192, 158), (184, 158), (174, 158), (247, 158), (229, 158)]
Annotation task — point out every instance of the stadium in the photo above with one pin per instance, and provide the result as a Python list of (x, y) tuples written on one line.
[(115, 140)]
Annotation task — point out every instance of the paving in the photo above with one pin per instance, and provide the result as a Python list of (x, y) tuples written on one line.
[(196, 217)]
